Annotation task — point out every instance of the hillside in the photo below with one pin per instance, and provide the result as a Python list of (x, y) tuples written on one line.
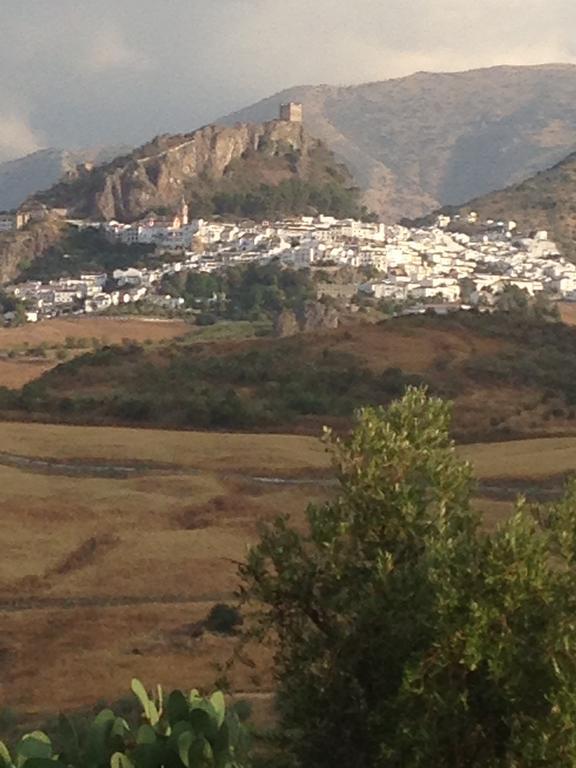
[(546, 200), (19, 249), (508, 377), (427, 140), (240, 170), (27, 175)]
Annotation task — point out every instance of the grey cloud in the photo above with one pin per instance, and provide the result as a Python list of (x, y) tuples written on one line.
[(76, 73)]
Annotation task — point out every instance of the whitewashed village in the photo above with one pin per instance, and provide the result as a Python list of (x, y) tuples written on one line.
[(418, 269)]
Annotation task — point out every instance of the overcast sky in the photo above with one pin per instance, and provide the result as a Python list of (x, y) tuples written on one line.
[(78, 73)]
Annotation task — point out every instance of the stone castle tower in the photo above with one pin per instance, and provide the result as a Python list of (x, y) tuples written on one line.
[(292, 112)]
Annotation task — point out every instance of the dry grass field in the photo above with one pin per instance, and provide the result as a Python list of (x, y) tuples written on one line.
[(109, 330), (523, 459), (161, 544), (16, 373), (61, 332), (103, 577)]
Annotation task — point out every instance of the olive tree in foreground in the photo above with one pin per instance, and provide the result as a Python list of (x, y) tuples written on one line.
[(406, 635)]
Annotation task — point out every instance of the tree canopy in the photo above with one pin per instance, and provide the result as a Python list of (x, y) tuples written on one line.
[(407, 635)]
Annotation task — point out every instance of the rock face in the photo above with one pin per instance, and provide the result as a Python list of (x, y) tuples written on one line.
[(315, 316), (419, 142), (19, 248), (160, 174), (312, 316), (286, 324)]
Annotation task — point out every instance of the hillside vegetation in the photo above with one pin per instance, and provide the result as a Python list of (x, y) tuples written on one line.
[(507, 376), (431, 139)]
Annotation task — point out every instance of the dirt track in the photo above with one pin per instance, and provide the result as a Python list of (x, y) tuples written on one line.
[(113, 601)]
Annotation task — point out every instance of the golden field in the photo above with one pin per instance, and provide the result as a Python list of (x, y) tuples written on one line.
[(164, 543), (108, 330), (101, 576), (61, 332)]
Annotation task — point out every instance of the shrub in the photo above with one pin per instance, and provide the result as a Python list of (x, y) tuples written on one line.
[(224, 619), (206, 318)]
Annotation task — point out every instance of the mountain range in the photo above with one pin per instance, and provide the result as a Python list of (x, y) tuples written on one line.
[(413, 144), (428, 140)]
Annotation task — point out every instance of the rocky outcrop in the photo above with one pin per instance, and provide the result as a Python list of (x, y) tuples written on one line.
[(160, 174), (312, 316), (17, 249), (286, 324), (315, 316)]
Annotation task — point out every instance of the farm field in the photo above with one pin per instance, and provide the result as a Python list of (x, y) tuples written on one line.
[(20, 364), (109, 330), (106, 573), (117, 543)]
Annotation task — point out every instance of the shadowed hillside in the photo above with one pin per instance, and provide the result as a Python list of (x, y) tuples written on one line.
[(544, 201)]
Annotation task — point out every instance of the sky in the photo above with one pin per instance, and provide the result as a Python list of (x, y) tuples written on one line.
[(77, 73)]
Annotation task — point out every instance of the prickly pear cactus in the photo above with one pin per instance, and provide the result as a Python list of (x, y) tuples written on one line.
[(182, 731)]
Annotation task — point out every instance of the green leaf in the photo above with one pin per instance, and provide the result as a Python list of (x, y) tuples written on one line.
[(146, 734), (204, 722), (5, 759), (120, 760), (35, 744), (152, 756), (103, 719), (153, 713), (120, 727), (201, 754), (176, 707), (38, 736), (140, 692), (219, 705), (68, 732), (185, 741)]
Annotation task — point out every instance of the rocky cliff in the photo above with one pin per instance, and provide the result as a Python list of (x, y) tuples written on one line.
[(161, 174), (17, 249)]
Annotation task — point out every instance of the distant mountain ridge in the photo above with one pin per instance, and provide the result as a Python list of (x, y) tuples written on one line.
[(419, 142), (27, 175)]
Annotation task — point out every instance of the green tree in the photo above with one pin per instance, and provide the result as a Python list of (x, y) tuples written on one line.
[(407, 636)]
